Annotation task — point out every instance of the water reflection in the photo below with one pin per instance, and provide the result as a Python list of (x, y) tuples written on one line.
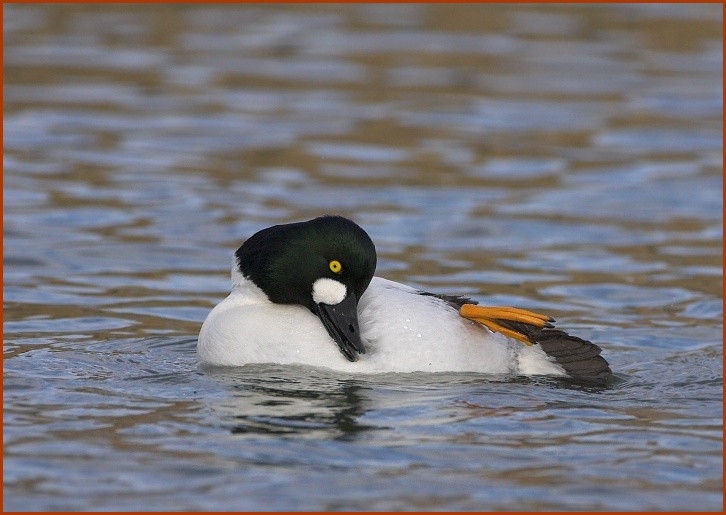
[(312, 404), (267, 399)]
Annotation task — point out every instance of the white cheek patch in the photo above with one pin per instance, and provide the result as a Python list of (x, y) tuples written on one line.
[(328, 291)]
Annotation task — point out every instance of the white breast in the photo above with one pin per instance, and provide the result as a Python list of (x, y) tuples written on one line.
[(238, 331)]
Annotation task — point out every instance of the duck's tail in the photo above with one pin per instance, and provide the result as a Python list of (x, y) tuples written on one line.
[(580, 358)]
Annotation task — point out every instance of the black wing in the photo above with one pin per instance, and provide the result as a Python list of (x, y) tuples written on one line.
[(580, 358)]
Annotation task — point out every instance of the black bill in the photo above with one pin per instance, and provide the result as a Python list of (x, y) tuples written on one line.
[(341, 321)]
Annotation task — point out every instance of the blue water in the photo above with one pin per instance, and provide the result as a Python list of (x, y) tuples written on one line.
[(566, 159)]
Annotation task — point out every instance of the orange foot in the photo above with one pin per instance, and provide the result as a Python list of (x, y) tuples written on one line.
[(492, 317)]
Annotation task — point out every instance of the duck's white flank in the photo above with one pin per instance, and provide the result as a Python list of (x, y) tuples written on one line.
[(403, 330)]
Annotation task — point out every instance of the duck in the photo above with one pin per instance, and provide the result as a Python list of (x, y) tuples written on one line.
[(306, 293)]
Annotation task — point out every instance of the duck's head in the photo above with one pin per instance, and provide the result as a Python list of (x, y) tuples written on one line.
[(324, 264)]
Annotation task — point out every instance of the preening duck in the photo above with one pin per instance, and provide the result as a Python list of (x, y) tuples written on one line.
[(306, 293)]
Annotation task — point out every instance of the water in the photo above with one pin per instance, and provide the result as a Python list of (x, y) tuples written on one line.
[(566, 159)]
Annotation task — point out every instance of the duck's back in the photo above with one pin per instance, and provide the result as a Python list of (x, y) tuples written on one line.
[(408, 330)]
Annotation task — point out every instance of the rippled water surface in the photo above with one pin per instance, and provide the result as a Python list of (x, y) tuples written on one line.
[(560, 158)]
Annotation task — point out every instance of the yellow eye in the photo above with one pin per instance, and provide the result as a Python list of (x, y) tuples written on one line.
[(335, 266)]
